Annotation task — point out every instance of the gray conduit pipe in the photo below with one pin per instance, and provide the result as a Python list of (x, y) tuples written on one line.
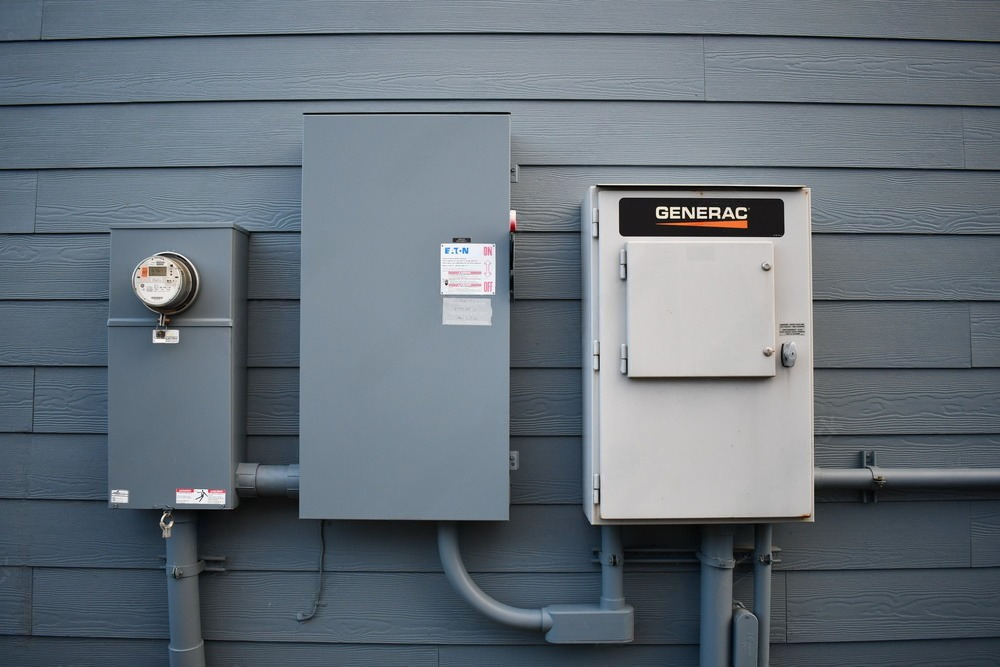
[(877, 478), (458, 576), (610, 621), (255, 480), (612, 561), (762, 557), (871, 478), (717, 564), (187, 649)]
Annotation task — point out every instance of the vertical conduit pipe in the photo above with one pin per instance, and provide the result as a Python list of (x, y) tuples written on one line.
[(187, 649), (762, 590), (612, 568), (717, 565)]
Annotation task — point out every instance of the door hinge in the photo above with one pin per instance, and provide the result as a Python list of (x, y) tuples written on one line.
[(623, 264), (597, 488), (624, 358), (596, 353), (595, 225)]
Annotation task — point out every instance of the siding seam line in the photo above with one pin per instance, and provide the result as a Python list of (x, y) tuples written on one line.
[(31, 603), (34, 216), (704, 71), (965, 136), (34, 396), (972, 536), (41, 21)]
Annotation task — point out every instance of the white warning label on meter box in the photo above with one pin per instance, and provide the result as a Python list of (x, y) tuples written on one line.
[(468, 269), (201, 497)]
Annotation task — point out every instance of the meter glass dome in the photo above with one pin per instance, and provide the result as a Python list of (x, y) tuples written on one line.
[(166, 282)]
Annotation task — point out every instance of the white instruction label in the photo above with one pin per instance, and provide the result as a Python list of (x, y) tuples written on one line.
[(119, 496), (201, 497), (168, 336), (467, 312), (468, 269), (792, 329)]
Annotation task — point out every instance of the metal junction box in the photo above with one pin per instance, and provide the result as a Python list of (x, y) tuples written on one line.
[(697, 342), (405, 324), (177, 393)]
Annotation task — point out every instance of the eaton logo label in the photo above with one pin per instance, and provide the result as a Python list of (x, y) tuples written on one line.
[(456, 250)]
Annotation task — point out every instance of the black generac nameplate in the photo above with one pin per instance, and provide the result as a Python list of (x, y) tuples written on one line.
[(657, 216)]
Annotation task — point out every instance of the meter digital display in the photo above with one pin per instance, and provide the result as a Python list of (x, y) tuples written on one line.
[(166, 283)]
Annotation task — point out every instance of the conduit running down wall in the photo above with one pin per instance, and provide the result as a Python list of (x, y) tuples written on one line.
[(608, 622), (187, 649)]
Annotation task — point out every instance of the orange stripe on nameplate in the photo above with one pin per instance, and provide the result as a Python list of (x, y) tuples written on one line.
[(718, 224)]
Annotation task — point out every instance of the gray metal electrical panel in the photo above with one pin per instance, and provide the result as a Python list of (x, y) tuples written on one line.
[(176, 388), (697, 346), (405, 324)]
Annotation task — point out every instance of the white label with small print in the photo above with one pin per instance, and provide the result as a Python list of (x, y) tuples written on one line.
[(166, 336), (468, 269), (201, 496), (467, 312), (119, 496)]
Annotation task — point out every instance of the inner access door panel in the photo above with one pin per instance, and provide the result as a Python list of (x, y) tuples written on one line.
[(700, 308)]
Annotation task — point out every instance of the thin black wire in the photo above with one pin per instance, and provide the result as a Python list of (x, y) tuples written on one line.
[(303, 616)]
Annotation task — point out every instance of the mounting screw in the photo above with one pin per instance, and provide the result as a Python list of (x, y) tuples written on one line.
[(766, 266), (768, 351)]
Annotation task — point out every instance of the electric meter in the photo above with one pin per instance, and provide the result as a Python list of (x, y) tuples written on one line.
[(166, 283)]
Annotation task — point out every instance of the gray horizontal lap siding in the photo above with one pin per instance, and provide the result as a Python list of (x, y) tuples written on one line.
[(630, 133), (901, 19), (888, 111)]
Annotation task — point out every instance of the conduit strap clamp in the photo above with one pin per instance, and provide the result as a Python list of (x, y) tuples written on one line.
[(610, 559), (190, 570), (869, 461), (204, 564), (878, 477), (718, 563)]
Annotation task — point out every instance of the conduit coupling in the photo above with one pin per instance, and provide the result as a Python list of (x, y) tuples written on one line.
[(563, 624), (256, 480)]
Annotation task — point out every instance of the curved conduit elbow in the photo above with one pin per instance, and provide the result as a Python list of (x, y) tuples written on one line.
[(458, 576)]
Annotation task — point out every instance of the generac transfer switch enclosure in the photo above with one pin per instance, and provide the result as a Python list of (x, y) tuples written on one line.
[(697, 339), (405, 325)]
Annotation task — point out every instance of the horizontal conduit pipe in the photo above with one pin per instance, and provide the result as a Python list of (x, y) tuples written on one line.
[(877, 478), (458, 576)]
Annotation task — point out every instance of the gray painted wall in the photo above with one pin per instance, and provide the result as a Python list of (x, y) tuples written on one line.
[(889, 110)]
